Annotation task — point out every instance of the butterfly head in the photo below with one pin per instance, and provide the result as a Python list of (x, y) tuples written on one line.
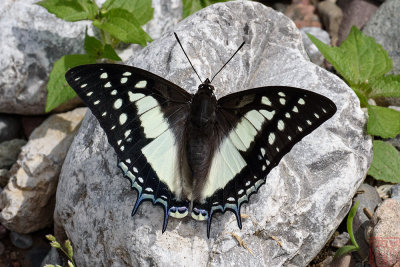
[(206, 86)]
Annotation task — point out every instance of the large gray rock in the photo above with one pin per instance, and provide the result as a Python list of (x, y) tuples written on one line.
[(27, 202), (32, 39), (292, 216), (384, 26)]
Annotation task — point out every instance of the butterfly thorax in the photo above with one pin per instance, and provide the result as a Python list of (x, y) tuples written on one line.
[(200, 131)]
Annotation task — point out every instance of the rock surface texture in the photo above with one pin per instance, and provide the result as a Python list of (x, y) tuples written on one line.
[(384, 26), (33, 39), (27, 201), (293, 214)]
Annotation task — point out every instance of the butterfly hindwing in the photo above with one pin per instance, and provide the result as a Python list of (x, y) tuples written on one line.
[(143, 116), (257, 128)]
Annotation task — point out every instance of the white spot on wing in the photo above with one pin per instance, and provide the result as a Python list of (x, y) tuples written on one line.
[(271, 138), (295, 109), (145, 104), (113, 92), (316, 115), (255, 118), (104, 75), (231, 199), (89, 93), (245, 132), (282, 94), (96, 102), (300, 129), (133, 97), (127, 133), (281, 125), (104, 114), (141, 84), (287, 115), (265, 101), (268, 114), (83, 85), (117, 103), (153, 123), (301, 101), (308, 122), (122, 118), (126, 73), (140, 180), (123, 80), (262, 151), (107, 85), (282, 101)]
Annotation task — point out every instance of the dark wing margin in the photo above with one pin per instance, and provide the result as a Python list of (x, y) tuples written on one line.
[(142, 115), (257, 127)]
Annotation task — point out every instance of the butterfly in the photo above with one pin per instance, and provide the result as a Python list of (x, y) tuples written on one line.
[(192, 153)]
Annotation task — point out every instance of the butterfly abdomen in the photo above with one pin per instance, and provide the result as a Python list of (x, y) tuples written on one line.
[(200, 142)]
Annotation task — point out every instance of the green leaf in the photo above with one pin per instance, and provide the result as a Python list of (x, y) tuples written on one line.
[(383, 122), (141, 9), (358, 59), (55, 244), (93, 46), (49, 265), (70, 264), (50, 238), (385, 164), (349, 224), (344, 250), (72, 10), (191, 6), (385, 86), (361, 96), (122, 25), (110, 53), (57, 87), (70, 250)]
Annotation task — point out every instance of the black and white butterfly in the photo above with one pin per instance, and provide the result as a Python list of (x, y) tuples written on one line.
[(193, 153)]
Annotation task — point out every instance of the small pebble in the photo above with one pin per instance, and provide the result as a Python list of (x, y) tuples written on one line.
[(21, 240), (341, 240), (395, 191)]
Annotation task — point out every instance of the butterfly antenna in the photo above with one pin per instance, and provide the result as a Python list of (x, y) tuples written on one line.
[(179, 42), (228, 61)]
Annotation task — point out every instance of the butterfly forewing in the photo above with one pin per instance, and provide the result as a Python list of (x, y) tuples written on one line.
[(143, 116), (257, 128)]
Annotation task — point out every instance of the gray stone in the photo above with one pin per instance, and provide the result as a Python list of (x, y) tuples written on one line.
[(341, 240), (384, 26), (395, 191), (331, 16), (21, 240), (9, 151), (10, 127), (290, 219), (52, 257), (355, 13), (33, 39), (369, 198), (27, 202), (315, 56)]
